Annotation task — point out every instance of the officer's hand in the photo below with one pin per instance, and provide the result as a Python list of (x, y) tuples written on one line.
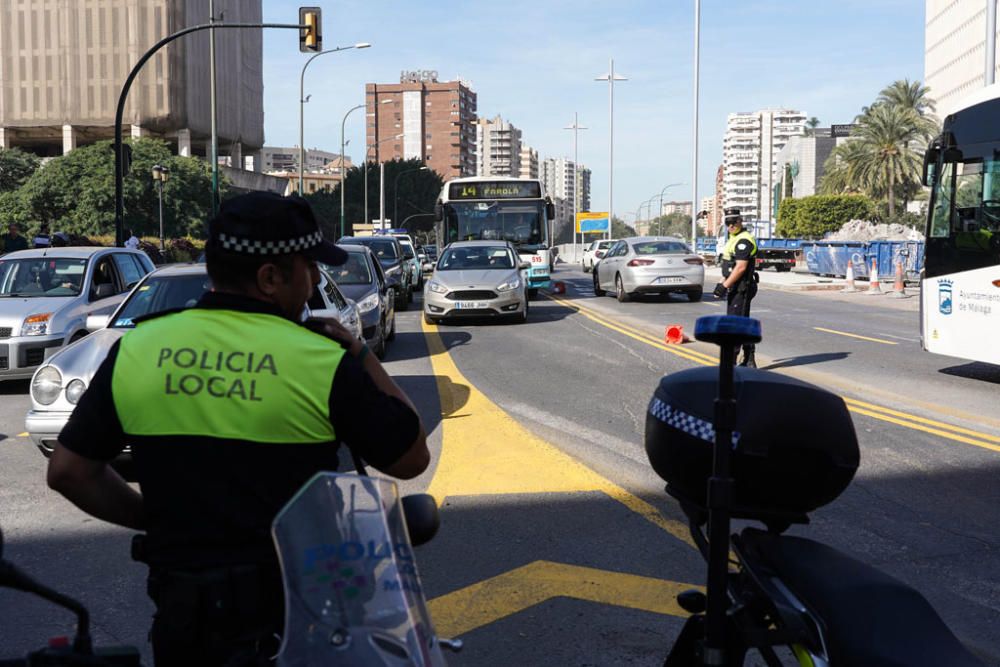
[(720, 291)]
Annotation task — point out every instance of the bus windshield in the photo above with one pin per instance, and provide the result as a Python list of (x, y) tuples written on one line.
[(522, 223), (964, 226)]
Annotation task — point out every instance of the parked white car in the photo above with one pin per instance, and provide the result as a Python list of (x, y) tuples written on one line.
[(47, 294), (593, 253)]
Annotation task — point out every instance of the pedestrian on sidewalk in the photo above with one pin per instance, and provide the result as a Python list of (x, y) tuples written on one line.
[(739, 275)]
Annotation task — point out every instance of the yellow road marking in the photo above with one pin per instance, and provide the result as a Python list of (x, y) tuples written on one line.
[(844, 333), (23, 435), (915, 422), (484, 602), (489, 452)]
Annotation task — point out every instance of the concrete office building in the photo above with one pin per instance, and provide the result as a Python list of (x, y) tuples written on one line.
[(529, 162), (557, 179), (62, 66), (275, 158), (955, 50), (498, 148), (799, 165), (669, 207), (437, 121), (749, 151)]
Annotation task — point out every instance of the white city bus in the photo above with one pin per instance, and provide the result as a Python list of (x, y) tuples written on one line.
[(506, 209), (960, 295)]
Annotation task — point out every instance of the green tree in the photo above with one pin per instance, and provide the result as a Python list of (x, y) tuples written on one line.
[(812, 217), (915, 96), (811, 126), (889, 161), (16, 167), (74, 193), (418, 192), (672, 224), (619, 230)]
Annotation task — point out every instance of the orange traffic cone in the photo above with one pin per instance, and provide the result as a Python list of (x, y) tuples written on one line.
[(850, 278), (899, 288), (559, 287), (674, 335), (873, 284)]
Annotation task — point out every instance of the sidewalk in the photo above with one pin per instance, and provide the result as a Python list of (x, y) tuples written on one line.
[(800, 281)]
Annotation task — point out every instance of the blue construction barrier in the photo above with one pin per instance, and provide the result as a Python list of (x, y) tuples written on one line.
[(829, 258), (888, 253)]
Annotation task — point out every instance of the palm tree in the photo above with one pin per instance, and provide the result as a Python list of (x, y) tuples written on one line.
[(914, 96), (842, 170), (885, 137), (811, 126)]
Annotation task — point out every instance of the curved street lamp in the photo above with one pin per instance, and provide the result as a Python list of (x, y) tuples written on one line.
[(343, 224), (395, 190), (303, 100)]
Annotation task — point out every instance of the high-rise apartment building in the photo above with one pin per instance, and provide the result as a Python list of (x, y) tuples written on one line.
[(669, 207), (954, 50), (424, 119), (558, 181), (749, 151), (583, 188), (529, 162), (498, 148), (62, 66)]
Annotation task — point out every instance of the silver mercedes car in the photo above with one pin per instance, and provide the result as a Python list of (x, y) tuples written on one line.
[(58, 385), (476, 279), (47, 294), (650, 265)]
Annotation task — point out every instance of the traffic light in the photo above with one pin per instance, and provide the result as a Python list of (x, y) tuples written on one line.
[(311, 33)]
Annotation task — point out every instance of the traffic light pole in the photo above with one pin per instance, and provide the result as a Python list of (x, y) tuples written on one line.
[(120, 152)]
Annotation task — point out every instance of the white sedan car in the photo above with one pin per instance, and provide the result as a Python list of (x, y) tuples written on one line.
[(593, 253), (58, 385), (650, 265)]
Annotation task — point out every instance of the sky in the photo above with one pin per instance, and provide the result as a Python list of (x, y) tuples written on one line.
[(534, 62)]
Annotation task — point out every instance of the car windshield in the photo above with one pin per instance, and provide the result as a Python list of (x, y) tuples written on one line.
[(160, 293), (660, 248), (407, 248), (477, 257), (355, 271), (41, 276), (604, 245)]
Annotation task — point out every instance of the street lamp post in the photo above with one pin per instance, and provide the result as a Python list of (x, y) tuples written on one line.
[(161, 175), (611, 77), (302, 102), (395, 190), (343, 224), (694, 160), (367, 151), (576, 127)]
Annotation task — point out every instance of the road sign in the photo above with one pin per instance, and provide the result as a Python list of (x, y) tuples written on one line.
[(593, 222)]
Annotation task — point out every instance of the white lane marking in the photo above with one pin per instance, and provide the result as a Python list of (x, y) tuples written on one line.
[(888, 335)]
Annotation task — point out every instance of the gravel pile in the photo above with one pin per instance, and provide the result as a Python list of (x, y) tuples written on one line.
[(862, 230)]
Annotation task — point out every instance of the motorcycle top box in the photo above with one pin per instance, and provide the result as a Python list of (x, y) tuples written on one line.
[(794, 446)]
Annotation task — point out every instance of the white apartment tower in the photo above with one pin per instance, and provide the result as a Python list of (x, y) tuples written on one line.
[(529, 162), (954, 50), (749, 157), (557, 178), (498, 148)]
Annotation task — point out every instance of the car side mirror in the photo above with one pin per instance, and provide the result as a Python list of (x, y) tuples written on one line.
[(97, 322), (550, 210), (104, 290), (524, 266), (931, 156)]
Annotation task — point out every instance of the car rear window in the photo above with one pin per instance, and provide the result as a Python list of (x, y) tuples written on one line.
[(660, 248)]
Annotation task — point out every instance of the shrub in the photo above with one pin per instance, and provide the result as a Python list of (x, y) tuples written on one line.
[(812, 217)]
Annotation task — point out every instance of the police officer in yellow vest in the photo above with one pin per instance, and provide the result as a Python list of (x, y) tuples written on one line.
[(739, 284), (230, 407)]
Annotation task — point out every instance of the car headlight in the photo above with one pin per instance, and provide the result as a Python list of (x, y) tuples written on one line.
[(46, 385), (370, 302), (512, 283), (36, 325), (74, 390), (437, 287)]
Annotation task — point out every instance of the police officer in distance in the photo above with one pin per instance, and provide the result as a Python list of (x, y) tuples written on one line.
[(230, 407), (739, 284)]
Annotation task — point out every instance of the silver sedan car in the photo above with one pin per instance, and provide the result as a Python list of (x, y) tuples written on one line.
[(47, 294), (58, 385), (650, 265), (476, 279)]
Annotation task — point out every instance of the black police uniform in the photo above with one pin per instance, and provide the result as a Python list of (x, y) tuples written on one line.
[(212, 487), (738, 299)]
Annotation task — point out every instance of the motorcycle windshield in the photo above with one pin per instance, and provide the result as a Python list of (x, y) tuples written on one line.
[(352, 592)]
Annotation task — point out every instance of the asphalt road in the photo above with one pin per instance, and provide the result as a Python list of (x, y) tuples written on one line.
[(558, 545)]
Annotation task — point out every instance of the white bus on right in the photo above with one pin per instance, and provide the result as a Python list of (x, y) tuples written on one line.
[(960, 288)]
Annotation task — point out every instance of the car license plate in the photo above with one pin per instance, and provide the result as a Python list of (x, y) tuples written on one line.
[(470, 305), (669, 280)]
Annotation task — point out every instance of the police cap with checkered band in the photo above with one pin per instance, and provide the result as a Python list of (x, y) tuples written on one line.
[(793, 448), (265, 224)]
